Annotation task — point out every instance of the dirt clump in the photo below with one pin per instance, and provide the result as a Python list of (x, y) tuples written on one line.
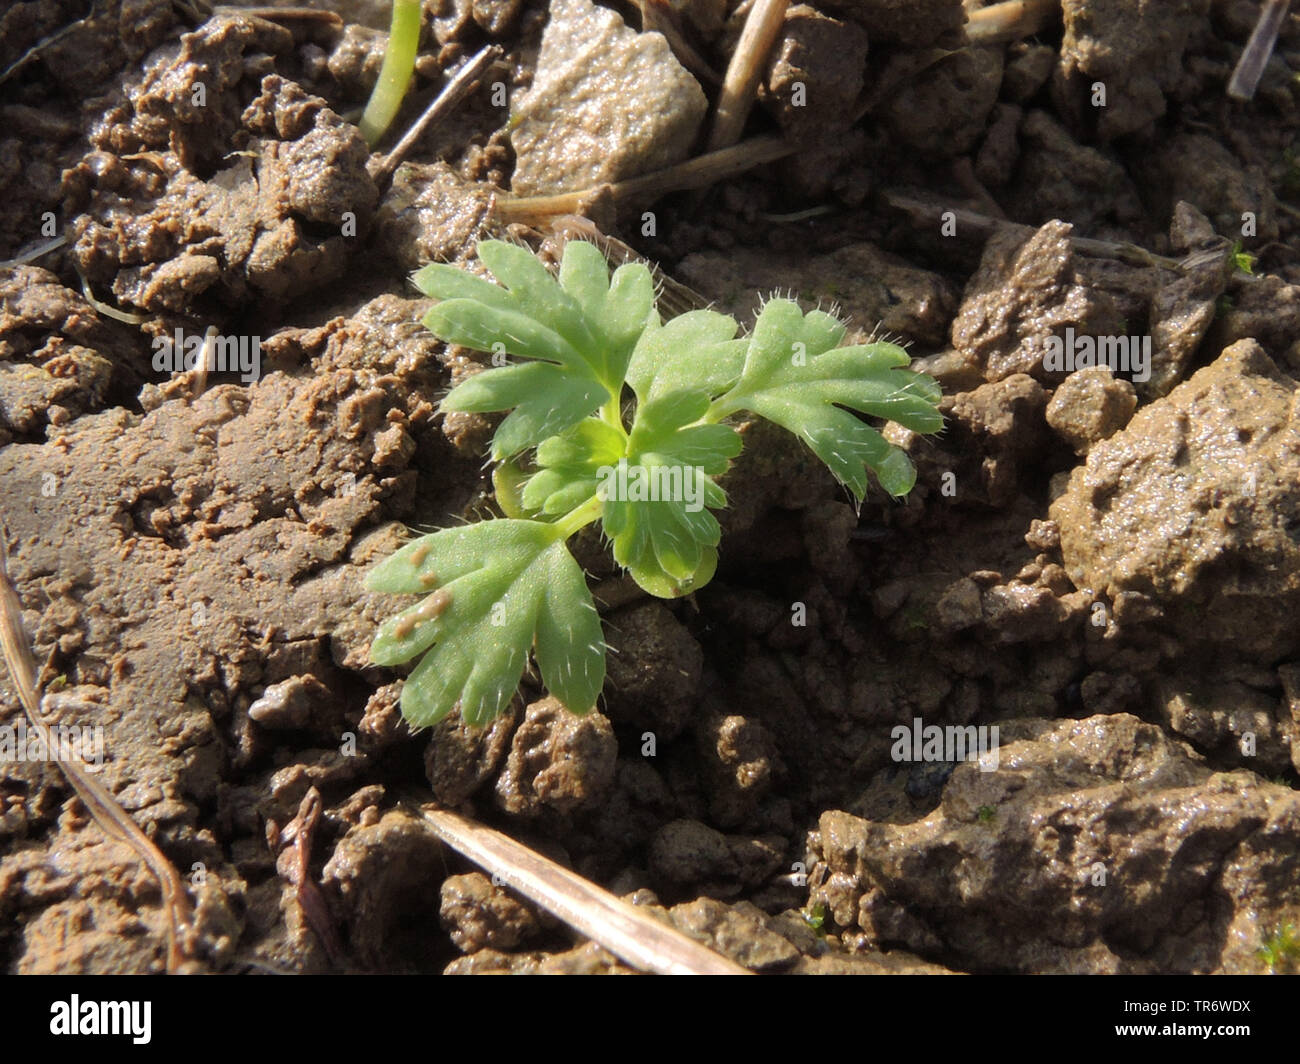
[(1134, 50), (1089, 406), (1071, 825), (1195, 504), (558, 761), (819, 61), (480, 916)]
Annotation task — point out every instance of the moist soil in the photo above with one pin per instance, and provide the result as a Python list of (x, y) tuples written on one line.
[(1102, 566)]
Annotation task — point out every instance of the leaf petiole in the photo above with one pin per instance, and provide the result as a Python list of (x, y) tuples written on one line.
[(611, 414), (579, 517)]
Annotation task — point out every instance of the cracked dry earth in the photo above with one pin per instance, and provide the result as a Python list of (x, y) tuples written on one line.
[(1106, 569)]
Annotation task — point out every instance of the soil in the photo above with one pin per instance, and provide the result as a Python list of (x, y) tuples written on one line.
[(1103, 566)]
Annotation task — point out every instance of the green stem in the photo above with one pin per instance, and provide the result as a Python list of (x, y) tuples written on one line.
[(579, 517), (612, 414), (722, 408), (395, 74)]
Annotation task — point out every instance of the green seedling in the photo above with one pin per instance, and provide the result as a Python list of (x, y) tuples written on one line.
[(618, 418), (395, 74), (915, 618), (986, 814), (1281, 951), (1242, 259)]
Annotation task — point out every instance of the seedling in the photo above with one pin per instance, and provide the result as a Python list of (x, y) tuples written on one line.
[(618, 418), (1281, 950), (1242, 259), (395, 73)]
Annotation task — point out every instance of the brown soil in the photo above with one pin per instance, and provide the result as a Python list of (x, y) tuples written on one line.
[(1106, 569)]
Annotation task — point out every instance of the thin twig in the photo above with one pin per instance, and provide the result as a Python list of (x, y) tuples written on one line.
[(31, 256), (658, 16), (985, 225), (886, 85), (125, 317), (700, 172), (283, 14), (797, 216), (104, 808), (36, 49), (1263, 38), (633, 936), (743, 72), (1121, 251), (447, 101), (1011, 20)]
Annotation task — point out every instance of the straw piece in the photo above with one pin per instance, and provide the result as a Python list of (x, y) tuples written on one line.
[(631, 935)]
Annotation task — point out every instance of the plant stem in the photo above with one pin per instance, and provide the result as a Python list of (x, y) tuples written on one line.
[(612, 414), (722, 408), (580, 517), (395, 74)]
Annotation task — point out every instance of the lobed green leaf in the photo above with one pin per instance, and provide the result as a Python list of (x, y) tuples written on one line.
[(499, 587), (694, 352), (795, 377), (542, 398)]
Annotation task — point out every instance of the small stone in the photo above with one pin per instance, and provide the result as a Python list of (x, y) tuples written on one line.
[(461, 757), (686, 851), (1135, 50), (1043, 535), (943, 113), (1027, 71), (815, 74), (291, 703), (607, 103), (1025, 291), (655, 677), (738, 931), (558, 760), (1090, 406), (496, 18), (478, 915)]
